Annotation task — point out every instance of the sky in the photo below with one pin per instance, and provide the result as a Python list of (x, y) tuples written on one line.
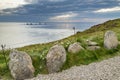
[(59, 10)]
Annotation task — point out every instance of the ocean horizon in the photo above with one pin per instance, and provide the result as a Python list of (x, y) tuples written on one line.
[(18, 34)]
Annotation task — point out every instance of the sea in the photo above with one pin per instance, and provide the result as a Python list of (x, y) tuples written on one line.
[(19, 34)]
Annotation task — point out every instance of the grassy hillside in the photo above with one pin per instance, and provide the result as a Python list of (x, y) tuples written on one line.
[(105, 26), (95, 33)]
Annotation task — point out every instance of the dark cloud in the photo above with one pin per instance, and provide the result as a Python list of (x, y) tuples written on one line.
[(45, 9)]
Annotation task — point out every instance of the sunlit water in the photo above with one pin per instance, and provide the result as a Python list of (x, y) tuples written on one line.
[(18, 34)]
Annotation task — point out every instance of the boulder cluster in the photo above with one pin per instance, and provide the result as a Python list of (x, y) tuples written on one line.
[(20, 63)]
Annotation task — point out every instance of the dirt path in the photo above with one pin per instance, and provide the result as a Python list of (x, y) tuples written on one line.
[(104, 70)]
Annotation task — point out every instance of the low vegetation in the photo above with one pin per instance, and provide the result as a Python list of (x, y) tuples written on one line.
[(96, 33)]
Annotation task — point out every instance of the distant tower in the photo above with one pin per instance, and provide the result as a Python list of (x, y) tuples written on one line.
[(74, 30)]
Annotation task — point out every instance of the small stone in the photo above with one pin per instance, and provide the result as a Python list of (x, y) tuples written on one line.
[(90, 43), (75, 48)]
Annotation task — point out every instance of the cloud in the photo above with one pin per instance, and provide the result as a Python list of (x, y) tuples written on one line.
[(104, 10), (6, 4), (13, 6), (58, 10), (56, 0), (56, 6), (64, 16), (4, 13)]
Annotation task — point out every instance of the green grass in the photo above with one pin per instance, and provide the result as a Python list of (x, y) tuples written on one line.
[(85, 57), (4, 70), (38, 52)]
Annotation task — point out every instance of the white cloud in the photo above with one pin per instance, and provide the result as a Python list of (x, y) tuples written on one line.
[(4, 13), (114, 9), (64, 16), (11, 5), (8, 4), (56, 0), (9, 12)]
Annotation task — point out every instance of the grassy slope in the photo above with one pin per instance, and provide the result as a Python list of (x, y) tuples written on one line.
[(95, 33)]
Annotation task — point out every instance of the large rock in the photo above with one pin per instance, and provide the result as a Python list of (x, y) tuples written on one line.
[(75, 47), (110, 40), (20, 65), (56, 57)]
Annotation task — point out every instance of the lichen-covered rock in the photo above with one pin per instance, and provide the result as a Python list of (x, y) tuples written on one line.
[(55, 58), (110, 40), (20, 65), (75, 47), (93, 47)]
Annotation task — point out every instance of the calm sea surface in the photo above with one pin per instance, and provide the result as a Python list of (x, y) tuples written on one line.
[(14, 34)]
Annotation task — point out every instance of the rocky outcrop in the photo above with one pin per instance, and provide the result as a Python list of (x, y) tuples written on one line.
[(20, 65), (75, 47), (55, 58), (110, 40)]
